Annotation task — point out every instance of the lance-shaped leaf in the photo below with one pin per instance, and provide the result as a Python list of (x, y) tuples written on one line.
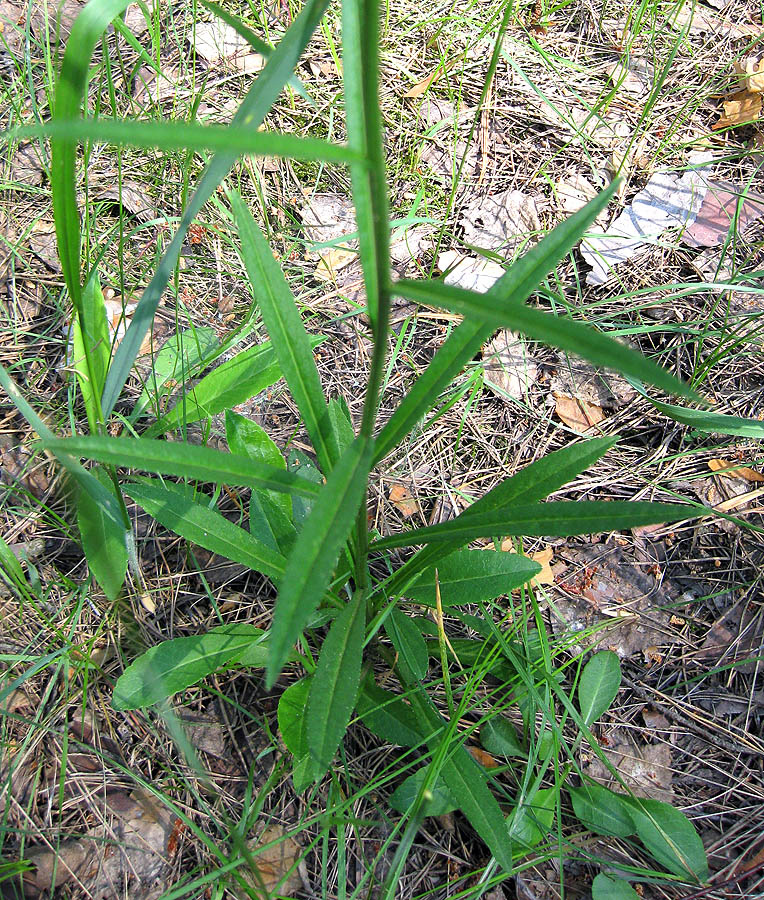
[(318, 545), (174, 507), (334, 686), (185, 461), (290, 340), (104, 541), (562, 519), (557, 331)]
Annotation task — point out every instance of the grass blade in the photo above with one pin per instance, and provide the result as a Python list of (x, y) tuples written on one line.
[(318, 545), (287, 332), (239, 139), (185, 461), (175, 665), (334, 687), (91, 347), (175, 507), (559, 518), (251, 113), (564, 333)]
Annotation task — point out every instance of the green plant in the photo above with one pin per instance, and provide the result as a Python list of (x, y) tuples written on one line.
[(312, 538)]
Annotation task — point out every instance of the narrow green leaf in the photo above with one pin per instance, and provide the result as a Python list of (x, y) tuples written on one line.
[(86, 481), (290, 340), (341, 424), (498, 736), (171, 666), (440, 802), (176, 509), (236, 380), (602, 811), (312, 561), (247, 438), (250, 114), (334, 686), (389, 717), (473, 576), (91, 347), (609, 887), (532, 819), (559, 518), (530, 484), (409, 644), (185, 461), (556, 331), (291, 717), (104, 543), (670, 838), (268, 523), (360, 80), (599, 684)]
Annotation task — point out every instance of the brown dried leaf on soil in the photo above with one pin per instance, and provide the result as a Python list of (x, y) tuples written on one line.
[(543, 557), (723, 202), (502, 222), (130, 195), (697, 20), (634, 76), (42, 242), (216, 42), (724, 467), (577, 414), (473, 273), (26, 166), (130, 848), (573, 193), (646, 768), (737, 636), (594, 386), (509, 368), (274, 862), (149, 85), (18, 466), (750, 73), (609, 590), (205, 732), (742, 108), (403, 500)]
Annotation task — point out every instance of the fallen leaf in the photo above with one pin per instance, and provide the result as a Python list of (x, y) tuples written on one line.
[(402, 499), (509, 368), (502, 222), (483, 758), (332, 260), (130, 195), (613, 600), (750, 73), (723, 467), (576, 413), (129, 849), (741, 109), (42, 241), (693, 18), (150, 86), (573, 193), (634, 76), (216, 42), (205, 732), (723, 202), (26, 166), (473, 273), (543, 557), (273, 863), (668, 200), (422, 86), (736, 637), (646, 768), (583, 381)]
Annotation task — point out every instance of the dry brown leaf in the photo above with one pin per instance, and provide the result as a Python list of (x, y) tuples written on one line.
[(332, 260), (473, 273), (697, 20), (750, 74), (646, 768), (130, 195), (274, 862), (724, 467), (150, 86), (402, 499), (573, 193), (509, 368), (741, 109), (42, 241), (422, 86), (736, 637), (577, 414), (483, 758), (542, 557), (501, 222), (216, 42)]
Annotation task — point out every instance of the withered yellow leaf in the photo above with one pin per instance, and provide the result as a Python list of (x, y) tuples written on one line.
[(750, 73), (401, 498), (742, 108), (577, 414), (723, 467)]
